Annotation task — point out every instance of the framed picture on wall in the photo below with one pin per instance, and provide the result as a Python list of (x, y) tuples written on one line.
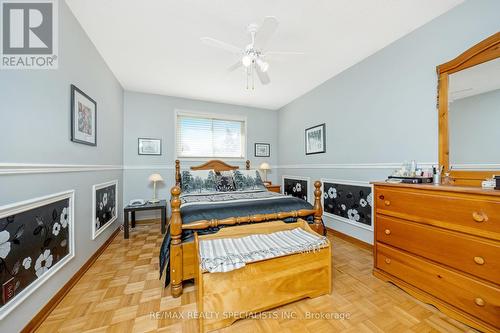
[(315, 139), (147, 146), (83, 118), (104, 206), (36, 240), (262, 150)]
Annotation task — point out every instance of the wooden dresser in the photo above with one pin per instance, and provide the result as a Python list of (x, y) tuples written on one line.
[(441, 244)]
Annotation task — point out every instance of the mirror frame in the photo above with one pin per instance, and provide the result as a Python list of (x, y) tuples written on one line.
[(484, 51)]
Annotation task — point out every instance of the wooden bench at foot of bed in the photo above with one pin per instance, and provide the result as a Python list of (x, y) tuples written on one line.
[(223, 298)]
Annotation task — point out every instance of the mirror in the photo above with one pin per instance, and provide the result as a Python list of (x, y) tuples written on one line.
[(469, 113), (474, 117)]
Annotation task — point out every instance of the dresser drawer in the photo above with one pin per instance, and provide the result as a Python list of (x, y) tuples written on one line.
[(474, 297), (476, 256), (479, 216)]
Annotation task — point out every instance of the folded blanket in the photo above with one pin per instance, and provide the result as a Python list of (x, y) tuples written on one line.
[(227, 254)]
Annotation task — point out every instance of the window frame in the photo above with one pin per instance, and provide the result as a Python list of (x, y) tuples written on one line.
[(219, 116)]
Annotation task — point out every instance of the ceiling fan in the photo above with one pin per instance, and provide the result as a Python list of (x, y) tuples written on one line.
[(253, 58)]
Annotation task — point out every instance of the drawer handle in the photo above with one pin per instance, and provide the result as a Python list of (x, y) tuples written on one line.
[(479, 260), (479, 301), (387, 260), (381, 197), (479, 217), (387, 232), (387, 202)]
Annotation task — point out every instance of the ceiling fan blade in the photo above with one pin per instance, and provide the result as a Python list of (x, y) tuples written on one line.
[(235, 66), (221, 45), (283, 53), (267, 28), (263, 77)]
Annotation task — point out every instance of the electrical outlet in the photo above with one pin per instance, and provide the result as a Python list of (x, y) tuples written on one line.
[(8, 290)]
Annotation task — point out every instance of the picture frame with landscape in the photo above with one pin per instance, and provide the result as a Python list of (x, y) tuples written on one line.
[(148, 146), (315, 139), (262, 150)]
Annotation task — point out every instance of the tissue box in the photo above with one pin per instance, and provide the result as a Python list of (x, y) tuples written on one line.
[(497, 178)]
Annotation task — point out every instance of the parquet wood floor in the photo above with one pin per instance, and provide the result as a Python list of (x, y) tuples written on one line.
[(121, 290)]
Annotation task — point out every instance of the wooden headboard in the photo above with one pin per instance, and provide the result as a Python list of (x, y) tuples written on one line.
[(216, 165)]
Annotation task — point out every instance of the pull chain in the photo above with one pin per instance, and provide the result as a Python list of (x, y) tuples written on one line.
[(253, 75)]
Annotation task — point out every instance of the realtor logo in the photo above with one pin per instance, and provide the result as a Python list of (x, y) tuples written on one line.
[(29, 34)]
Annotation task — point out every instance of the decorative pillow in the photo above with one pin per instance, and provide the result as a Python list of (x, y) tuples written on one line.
[(225, 181), (246, 180), (198, 181)]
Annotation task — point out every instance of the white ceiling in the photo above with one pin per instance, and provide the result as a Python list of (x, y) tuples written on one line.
[(154, 46), (475, 80)]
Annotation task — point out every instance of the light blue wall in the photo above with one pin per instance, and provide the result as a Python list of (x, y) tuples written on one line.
[(474, 125), (383, 109), (35, 128), (153, 116)]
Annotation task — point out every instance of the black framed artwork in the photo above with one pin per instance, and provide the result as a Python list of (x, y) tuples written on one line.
[(262, 150), (149, 146), (315, 139), (83, 118)]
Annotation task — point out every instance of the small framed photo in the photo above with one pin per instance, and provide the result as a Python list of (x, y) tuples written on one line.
[(83, 118), (315, 139), (262, 150), (149, 146)]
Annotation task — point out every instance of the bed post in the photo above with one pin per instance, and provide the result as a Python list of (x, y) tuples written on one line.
[(247, 165), (177, 173), (175, 245), (318, 221)]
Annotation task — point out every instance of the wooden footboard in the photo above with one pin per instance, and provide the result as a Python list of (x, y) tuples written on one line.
[(177, 264)]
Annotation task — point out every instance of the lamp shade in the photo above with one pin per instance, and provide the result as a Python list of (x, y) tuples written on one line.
[(265, 166), (155, 177)]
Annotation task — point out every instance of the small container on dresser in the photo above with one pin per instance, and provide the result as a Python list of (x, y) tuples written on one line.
[(442, 245)]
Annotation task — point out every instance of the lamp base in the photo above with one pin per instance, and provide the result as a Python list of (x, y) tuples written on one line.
[(153, 201)]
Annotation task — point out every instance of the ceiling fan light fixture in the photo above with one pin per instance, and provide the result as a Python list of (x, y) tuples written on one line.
[(246, 60), (264, 66)]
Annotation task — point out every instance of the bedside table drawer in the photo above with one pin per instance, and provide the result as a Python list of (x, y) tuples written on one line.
[(274, 188)]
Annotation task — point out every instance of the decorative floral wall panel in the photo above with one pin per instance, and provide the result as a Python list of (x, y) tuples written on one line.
[(36, 240), (349, 202), (296, 187), (105, 199)]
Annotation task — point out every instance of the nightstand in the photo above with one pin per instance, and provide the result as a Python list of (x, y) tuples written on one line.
[(161, 205), (273, 188)]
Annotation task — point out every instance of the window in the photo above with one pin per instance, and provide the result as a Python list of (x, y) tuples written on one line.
[(210, 136)]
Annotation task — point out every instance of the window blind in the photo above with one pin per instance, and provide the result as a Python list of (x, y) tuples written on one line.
[(203, 136)]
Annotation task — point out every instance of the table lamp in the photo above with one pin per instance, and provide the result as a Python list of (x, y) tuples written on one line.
[(155, 177), (264, 167)]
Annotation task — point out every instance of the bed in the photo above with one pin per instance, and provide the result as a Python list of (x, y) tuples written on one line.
[(207, 213)]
